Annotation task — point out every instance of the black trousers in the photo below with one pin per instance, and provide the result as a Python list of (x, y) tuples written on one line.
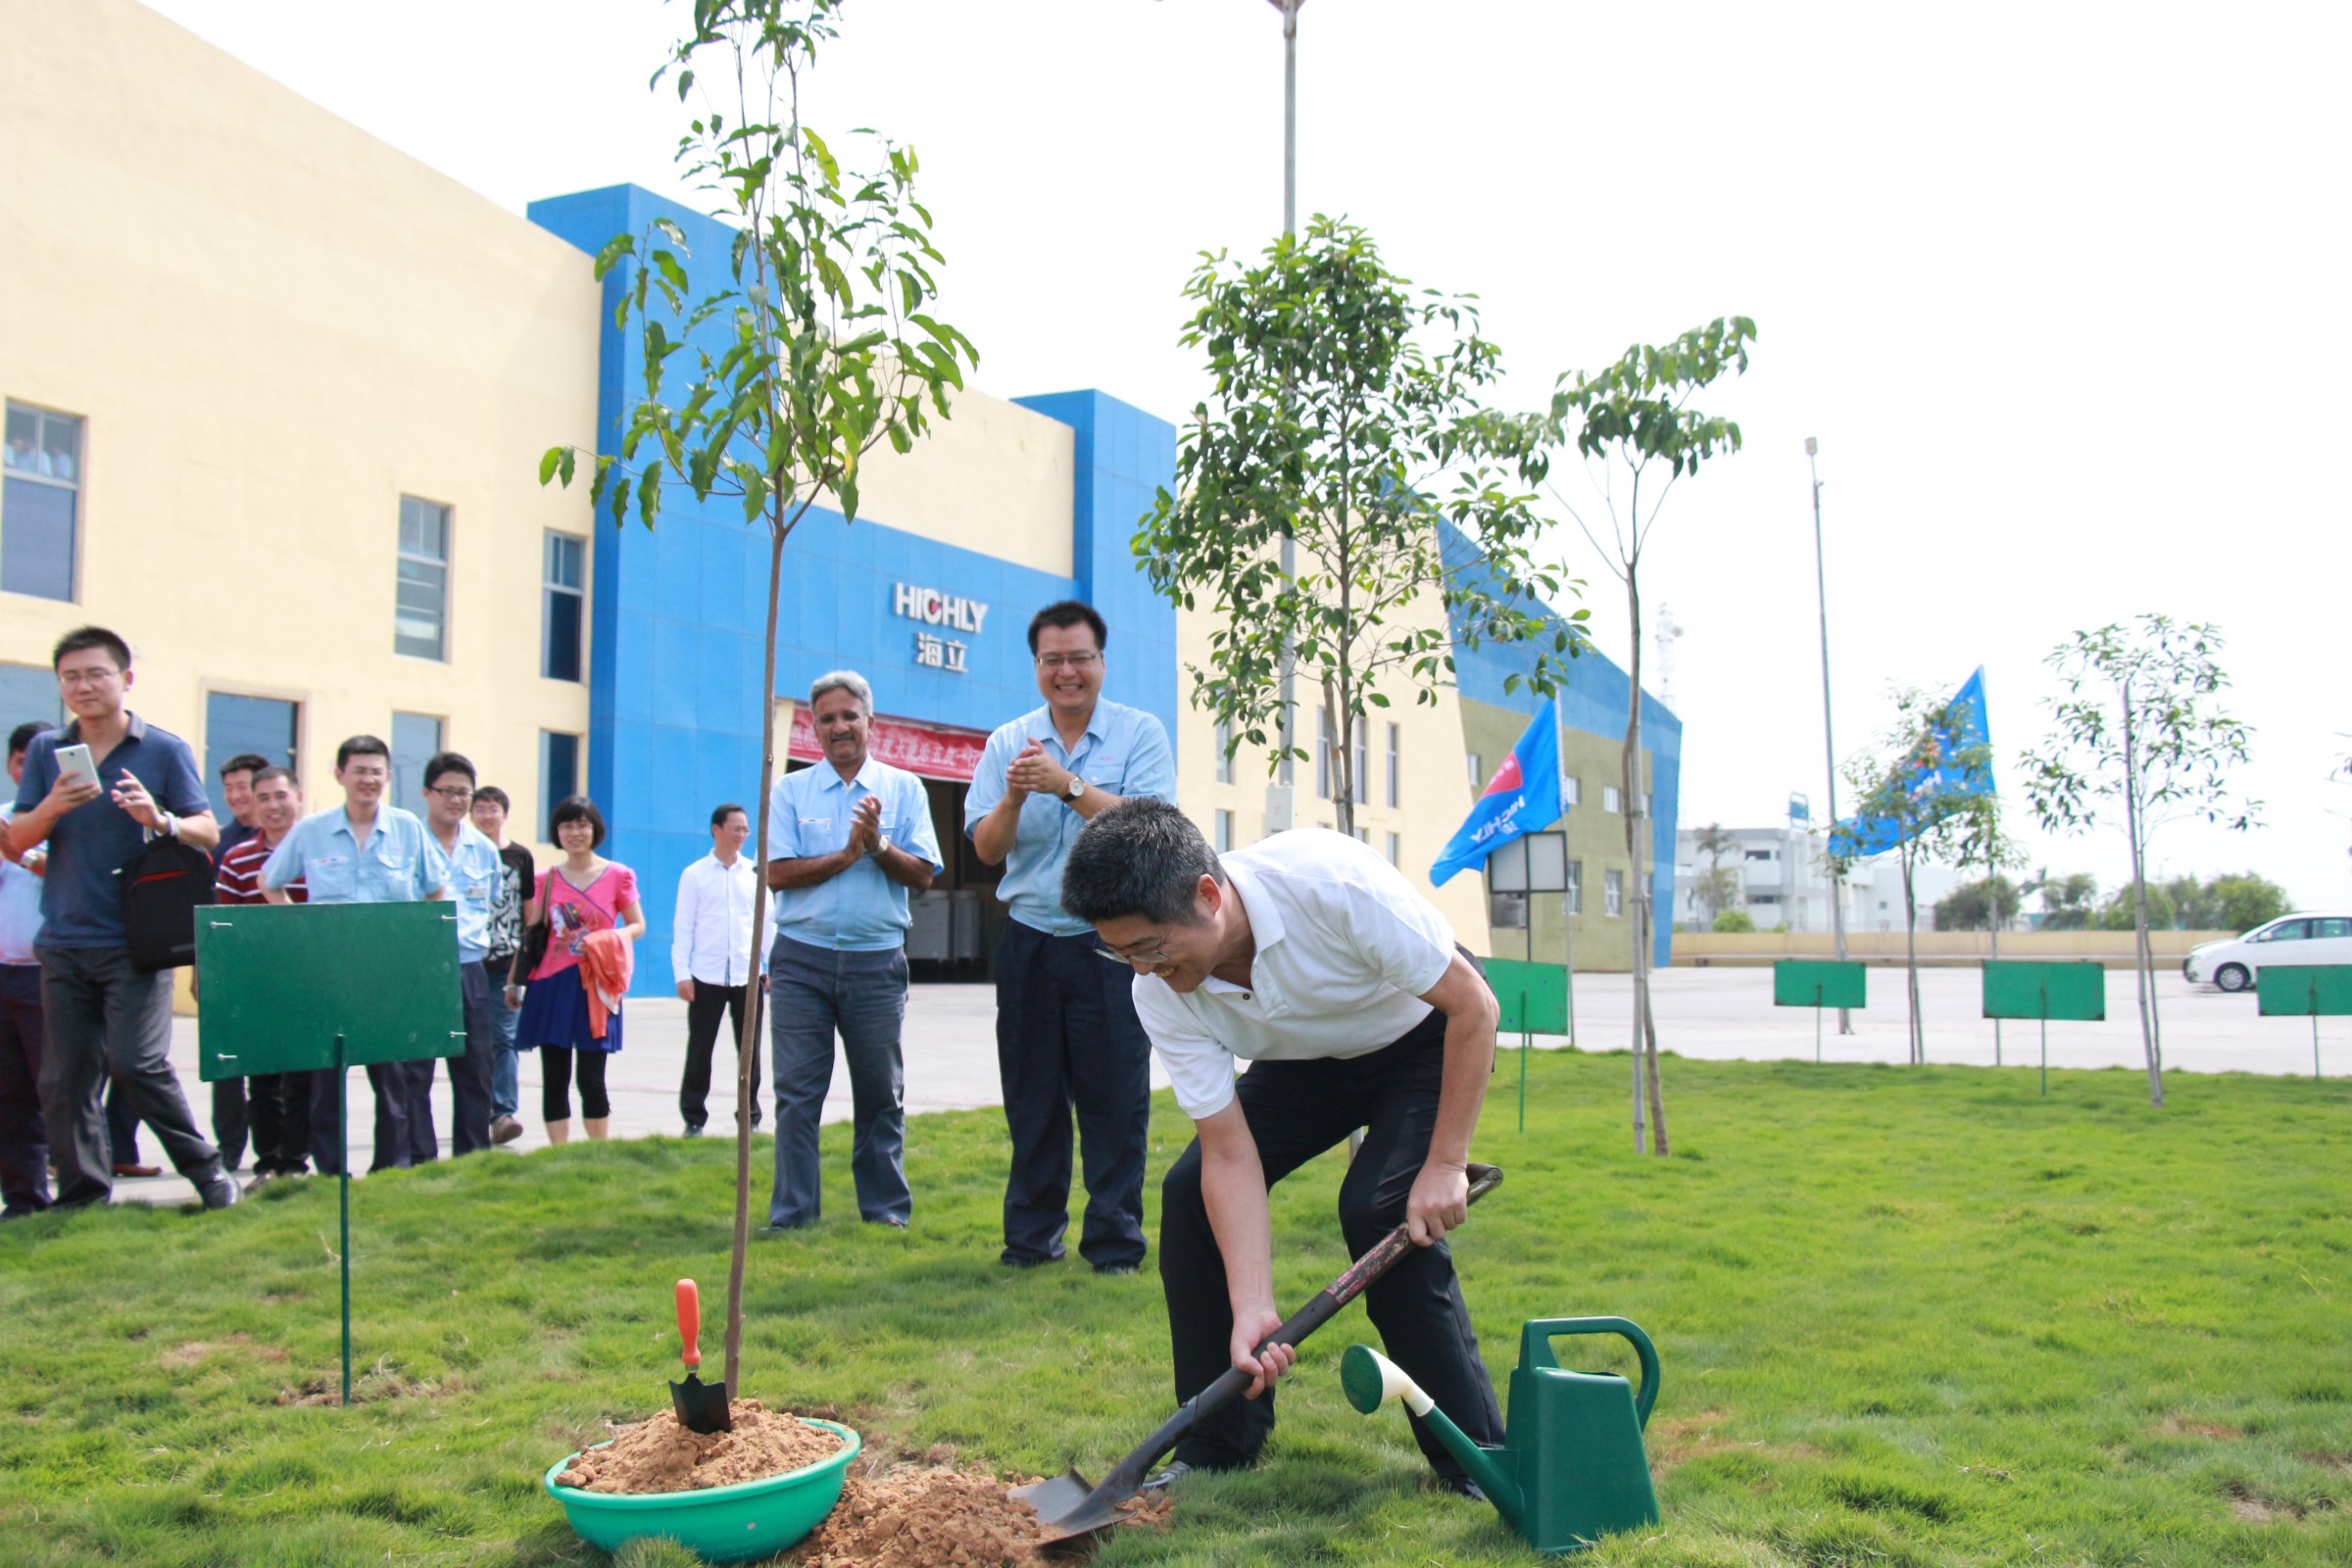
[(1295, 1110), (1067, 1037), (400, 1087), (711, 1004), (23, 1136), (261, 1108), (469, 1072)]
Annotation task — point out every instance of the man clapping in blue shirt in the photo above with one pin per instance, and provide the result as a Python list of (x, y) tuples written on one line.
[(1067, 1030), (846, 840)]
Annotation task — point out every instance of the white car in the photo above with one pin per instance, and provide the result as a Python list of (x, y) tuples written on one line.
[(2295, 939)]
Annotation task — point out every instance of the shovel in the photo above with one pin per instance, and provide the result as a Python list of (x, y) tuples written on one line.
[(700, 1406), (1070, 1505)]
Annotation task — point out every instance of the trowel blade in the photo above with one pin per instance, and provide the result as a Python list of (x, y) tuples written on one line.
[(700, 1407)]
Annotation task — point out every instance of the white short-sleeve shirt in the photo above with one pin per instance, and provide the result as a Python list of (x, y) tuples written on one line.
[(1345, 948)]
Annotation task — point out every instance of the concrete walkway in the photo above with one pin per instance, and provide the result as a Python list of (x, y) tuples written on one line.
[(1715, 1014)]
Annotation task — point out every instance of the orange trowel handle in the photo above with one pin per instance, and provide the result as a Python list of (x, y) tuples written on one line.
[(690, 1321)]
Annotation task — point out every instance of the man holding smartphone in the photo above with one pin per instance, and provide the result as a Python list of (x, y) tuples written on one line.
[(120, 781)]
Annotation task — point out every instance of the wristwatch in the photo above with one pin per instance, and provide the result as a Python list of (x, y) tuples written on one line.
[(880, 849), (1077, 787)]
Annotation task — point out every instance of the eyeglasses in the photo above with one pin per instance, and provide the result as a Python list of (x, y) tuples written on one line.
[(1152, 959), (454, 793), (1073, 660)]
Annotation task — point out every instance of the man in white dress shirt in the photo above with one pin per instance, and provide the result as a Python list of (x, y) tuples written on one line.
[(710, 954), (1312, 960)]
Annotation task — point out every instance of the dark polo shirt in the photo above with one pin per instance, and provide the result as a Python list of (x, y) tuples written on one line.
[(81, 899)]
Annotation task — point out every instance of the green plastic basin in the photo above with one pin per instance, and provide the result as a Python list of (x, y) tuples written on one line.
[(718, 1524)]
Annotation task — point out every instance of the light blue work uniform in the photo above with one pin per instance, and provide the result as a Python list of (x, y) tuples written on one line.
[(809, 815), (476, 873), (398, 863), (1124, 751)]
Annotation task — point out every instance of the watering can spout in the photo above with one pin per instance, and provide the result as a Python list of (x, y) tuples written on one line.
[(1370, 1380)]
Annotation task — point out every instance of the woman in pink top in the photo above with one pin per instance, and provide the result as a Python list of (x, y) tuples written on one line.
[(586, 893)]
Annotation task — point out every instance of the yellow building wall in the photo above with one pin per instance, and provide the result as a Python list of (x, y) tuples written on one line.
[(275, 326), (997, 477), (1433, 785)]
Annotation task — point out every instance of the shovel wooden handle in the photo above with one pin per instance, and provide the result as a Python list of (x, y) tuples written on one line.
[(690, 1321)]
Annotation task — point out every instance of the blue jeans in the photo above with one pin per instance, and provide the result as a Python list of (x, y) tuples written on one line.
[(811, 993), (506, 1089)]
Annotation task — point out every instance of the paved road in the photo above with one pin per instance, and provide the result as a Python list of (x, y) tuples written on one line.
[(1714, 1012)]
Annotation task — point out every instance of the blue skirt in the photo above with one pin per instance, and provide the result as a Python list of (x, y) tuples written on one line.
[(555, 1012)]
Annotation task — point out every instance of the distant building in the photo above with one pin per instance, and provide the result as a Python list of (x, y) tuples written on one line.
[(1782, 881)]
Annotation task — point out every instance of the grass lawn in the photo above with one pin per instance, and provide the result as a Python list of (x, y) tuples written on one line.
[(1907, 1316)]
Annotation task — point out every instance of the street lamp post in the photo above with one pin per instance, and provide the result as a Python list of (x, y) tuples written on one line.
[(1828, 744), (1290, 226)]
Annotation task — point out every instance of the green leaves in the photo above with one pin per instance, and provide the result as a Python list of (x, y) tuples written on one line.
[(1347, 417), (2140, 733), (807, 345)]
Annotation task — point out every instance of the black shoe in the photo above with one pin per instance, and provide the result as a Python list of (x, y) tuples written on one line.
[(1166, 1476), (1024, 1259), (1460, 1486), (769, 1233), (1116, 1268), (891, 1220), (694, 1129), (221, 1193)]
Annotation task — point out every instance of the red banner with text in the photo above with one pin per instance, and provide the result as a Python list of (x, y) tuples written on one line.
[(924, 749)]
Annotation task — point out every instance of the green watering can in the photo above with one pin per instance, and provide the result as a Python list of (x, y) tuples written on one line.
[(1571, 1467)]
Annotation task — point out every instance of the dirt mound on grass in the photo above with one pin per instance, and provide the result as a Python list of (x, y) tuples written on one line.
[(929, 1518), (661, 1456)]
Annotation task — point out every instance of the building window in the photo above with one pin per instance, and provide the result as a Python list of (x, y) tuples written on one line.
[(1363, 761), (1224, 840), (1613, 892), (1396, 768), (1224, 751), (28, 690), (1759, 854), (1363, 836), (234, 725), (1478, 774), (1396, 843), (1572, 793), (1323, 757), (1576, 887), (565, 606), (420, 610), (558, 773), (40, 502), (416, 737), (1612, 800)]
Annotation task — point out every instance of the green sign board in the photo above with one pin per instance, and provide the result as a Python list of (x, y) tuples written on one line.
[(2021, 988), (281, 982), (2304, 990), (1814, 983), (1533, 996)]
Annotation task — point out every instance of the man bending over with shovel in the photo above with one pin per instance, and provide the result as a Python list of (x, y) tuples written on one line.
[(1314, 960)]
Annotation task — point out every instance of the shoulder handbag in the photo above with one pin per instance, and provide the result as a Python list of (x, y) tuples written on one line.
[(163, 887), (534, 941)]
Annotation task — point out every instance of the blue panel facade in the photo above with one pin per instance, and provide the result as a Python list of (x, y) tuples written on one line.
[(677, 613), (1592, 701)]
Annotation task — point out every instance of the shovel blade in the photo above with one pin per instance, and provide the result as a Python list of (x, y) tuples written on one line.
[(700, 1407), (1067, 1506)]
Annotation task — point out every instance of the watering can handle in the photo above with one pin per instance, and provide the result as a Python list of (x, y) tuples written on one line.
[(1535, 1349)]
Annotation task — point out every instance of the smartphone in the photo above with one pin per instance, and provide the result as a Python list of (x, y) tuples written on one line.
[(73, 762)]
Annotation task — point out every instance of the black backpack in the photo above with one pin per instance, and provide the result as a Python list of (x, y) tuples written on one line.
[(163, 887)]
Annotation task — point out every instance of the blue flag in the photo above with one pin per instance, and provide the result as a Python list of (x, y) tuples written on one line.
[(1860, 836), (1523, 797)]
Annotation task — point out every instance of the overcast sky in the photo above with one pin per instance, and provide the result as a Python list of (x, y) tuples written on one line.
[(2061, 289)]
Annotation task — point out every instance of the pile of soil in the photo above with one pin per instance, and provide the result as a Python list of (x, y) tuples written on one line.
[(923, 1518), (661, 1456)]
